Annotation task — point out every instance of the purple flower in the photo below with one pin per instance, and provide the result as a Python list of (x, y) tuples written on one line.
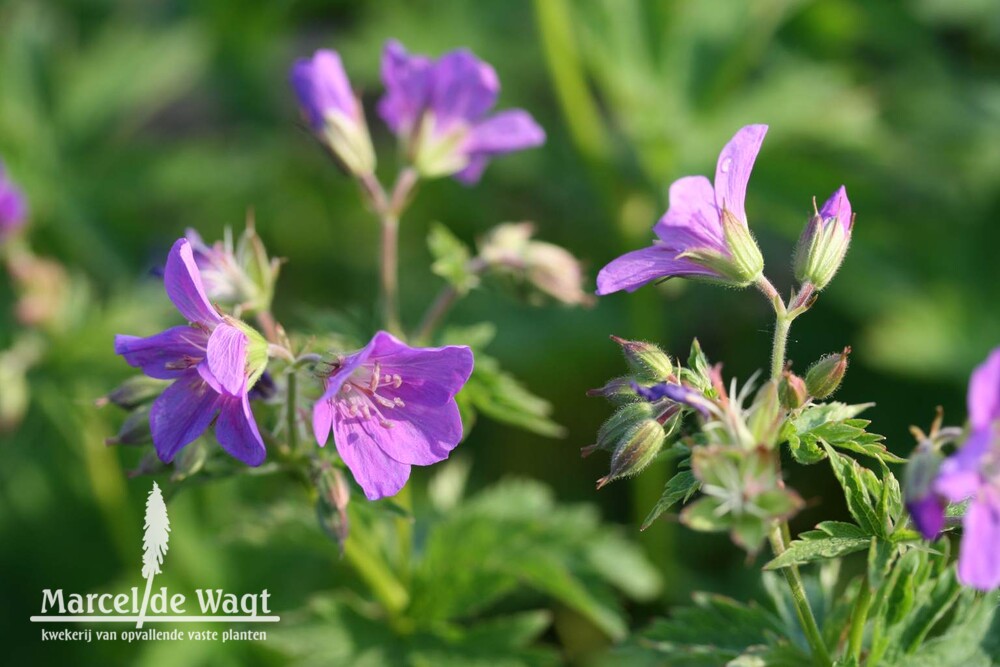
[(13, 206), (704, 233), (973, 473), (391, 406), (823, 244), (333, 111), (676, 393), (214, 362), (439, 109)]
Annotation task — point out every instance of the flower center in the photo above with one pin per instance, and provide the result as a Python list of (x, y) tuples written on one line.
[(363, 395)]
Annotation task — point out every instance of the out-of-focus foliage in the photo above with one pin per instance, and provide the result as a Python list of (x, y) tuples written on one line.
[(127, 122)]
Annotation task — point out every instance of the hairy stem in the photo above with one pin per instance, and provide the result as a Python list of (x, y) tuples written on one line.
[(389, 270), (781, 533), (858, 619), (794, 580), (446, 298)]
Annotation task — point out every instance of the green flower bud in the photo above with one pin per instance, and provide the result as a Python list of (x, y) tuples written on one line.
[(637, 448), (618, 390), (647, 361), (133, 392), (792, 390), (135, 429), (824, 242), (766, 415), (824, 376), (614, 429)]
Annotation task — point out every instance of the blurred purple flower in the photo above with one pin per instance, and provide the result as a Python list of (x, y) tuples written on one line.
[(332, 109), (391, 406), (214, 362), (13, 206), (439, 109), (973, 473), (704, 233)]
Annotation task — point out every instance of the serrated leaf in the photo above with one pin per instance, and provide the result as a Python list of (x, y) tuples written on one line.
[(852, 480), (805, 450), (812, 549), (451, 258), (678, 488)]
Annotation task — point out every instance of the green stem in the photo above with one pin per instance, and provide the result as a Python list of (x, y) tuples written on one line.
[(858, 619), (794, 580), (781, 532), (389, 270), (290, 414), (446, 298), (383, 584)]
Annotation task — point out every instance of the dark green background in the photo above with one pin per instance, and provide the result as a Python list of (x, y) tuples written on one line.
[(127, 122)]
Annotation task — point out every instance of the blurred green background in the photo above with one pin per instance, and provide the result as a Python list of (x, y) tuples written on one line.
[(127, 122)]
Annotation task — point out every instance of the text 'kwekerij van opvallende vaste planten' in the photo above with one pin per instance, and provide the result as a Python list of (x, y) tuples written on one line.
[(341, 414)]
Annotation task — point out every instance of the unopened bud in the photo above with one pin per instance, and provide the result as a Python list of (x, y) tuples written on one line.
[(646, 361), (824, 242), (334, 494), (765, 415), (792, 390), (637, 449), (190, 461), (926, 507), (133, 392), (824, 376), (611, 433), (617, 390), (134, 430)]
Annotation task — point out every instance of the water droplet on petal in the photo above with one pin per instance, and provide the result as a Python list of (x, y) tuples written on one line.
[(726, 164)]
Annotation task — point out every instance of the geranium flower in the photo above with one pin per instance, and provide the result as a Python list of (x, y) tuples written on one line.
[(439, 110), (333, 111), (13, 206), (704, 233), (973, 473), (214, 363), (391, 406)]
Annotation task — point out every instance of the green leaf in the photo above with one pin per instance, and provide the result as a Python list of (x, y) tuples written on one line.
[(805, 450), (451, 259), (812, 548), (852, 480), (500, 396), (678, 489)]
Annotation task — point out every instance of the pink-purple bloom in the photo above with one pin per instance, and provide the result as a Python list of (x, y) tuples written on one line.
[(973, 473), (704, 233), (824, 242), (391, 406), (13, 206), (332, 109), (214, 362), (439, 109)]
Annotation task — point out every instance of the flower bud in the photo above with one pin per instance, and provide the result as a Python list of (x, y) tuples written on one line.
[(13, 207), (134, 430), (824, 377), (792, 390), (765, 415), (334, 494), (824, 242), (926, 507), (190, 461), (637, 448), (610, 435), (333, 111), (617, 390), (133, 392), (647, 361)]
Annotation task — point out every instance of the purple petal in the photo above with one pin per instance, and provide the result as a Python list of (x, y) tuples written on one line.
[(322, 87), (959, 476), (473, 171), (838, 206), (181, 413), (733, 170), (227, 358), (322, 420), (347, 366), (692, 220), (237, 431), (504, 132), (184, 287), (676, 393), (407, 88), (979, 560), (928, 515), (639, 267), (13, 205), (177, 346), (432, 375), (378, 474), (984, 392), (463, 88)]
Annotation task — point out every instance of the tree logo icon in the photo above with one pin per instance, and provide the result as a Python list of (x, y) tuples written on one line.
[(154, 543)]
